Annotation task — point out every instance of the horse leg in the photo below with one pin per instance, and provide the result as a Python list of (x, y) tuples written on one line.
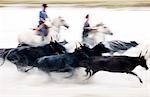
[(42, 37), (136, 76)]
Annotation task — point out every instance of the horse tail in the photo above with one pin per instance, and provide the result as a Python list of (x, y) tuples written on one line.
[(133, 43)]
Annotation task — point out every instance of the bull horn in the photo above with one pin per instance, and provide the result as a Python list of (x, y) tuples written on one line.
[(140, 54), (51, 38), (146, 52), (76, 46), (80, 44)]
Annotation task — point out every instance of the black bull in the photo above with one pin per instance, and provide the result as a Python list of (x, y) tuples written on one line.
[(60, 63), (26, 55), (121, 64)]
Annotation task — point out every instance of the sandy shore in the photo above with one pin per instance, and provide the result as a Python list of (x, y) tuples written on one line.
[(82, 3)]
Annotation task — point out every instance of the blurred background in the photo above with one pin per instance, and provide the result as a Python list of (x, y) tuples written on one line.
[(91, 3), (127, 19)]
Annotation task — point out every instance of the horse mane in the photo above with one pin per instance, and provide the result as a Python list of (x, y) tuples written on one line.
[(99, 24)]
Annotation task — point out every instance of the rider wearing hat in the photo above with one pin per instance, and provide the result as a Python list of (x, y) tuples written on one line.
[(42, 28)]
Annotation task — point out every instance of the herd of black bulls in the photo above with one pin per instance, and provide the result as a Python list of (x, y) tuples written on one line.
[(53, 57)]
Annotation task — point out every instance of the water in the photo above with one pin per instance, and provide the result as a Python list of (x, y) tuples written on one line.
[(126, 24)]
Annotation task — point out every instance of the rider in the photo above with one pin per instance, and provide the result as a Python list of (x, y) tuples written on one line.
[(86, 28), (42, 28)]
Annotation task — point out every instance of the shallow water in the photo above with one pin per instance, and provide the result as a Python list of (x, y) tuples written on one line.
[(126, 24)]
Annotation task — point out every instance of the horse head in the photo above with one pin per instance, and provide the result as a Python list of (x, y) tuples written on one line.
[(102, 29), (60, 22)]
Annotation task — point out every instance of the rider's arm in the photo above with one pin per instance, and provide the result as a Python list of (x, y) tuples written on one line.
[(43, 16), (41, 19), (87, 27)]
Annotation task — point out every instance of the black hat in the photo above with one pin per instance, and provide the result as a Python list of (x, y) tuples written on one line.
[(44, 5), (87, 16)]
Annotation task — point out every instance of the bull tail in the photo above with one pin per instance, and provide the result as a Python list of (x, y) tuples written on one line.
[(5, 55), (3, 61)]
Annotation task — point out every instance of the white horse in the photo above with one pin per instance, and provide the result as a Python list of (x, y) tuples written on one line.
[(32, 38), (96, 35), (56, 24)]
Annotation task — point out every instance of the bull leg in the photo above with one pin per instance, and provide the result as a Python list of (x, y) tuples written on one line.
[(4, 57), (93, 72), (3, 61), (20, 68), (89, 72), (72, 73), (28, 69), (68, 69), (136, 76), (72, 70)]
